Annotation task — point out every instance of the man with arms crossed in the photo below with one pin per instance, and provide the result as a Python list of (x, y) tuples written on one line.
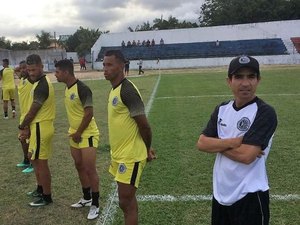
[(129, 134), (240, 131), (83, 133), (38, 125)]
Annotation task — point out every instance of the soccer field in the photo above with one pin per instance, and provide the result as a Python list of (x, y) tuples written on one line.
[(176, 188)]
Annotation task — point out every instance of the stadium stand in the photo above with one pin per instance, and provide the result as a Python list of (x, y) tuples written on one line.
[(272, 46), (296, 42)]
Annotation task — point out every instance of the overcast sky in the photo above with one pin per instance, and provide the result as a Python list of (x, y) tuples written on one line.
[(22, 20)]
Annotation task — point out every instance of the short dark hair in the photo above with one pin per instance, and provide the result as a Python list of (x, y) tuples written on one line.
[(65, 64), (33, 59), (5, 61), (22, 62), (117, 53)]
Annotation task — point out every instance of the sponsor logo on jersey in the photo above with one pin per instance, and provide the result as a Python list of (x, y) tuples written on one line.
[(221, 124)]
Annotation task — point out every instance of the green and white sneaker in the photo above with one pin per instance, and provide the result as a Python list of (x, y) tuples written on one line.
[(34, 194), (29, 169), (40, 202), (23, 164)]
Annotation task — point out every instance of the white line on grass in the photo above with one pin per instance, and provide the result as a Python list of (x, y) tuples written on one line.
[(212, 96), (107, 215), (186, 198)]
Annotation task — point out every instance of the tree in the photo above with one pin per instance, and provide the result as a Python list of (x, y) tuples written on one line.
[(19, 46), (33, 45), (161, 24), (226, 12), (83, 40), (5, 44), (144, 27), (44, 39)]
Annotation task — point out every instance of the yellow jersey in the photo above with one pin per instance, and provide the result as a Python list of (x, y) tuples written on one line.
[(78, 97), (126, 143)]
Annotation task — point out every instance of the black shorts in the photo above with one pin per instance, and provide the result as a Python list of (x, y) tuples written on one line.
[(253, 209)]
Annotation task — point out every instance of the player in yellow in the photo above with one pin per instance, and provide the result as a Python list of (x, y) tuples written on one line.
[(83, 133), (129, 134), (38, 127), (24, 88), (8, 88)]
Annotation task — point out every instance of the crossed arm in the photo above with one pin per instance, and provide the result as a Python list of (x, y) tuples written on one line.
[(231, 148)]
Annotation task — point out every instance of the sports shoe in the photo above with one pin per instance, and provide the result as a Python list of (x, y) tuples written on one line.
[(34, 194), (23, 164), (93, 213), (29, 169), (14, 113), (40, 202), (82, 202), (5, 117)]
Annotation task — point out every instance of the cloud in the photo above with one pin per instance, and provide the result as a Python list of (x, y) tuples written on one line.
[(65, 17)]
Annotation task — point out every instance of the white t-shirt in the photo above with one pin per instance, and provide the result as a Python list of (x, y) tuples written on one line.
[(256, 122)]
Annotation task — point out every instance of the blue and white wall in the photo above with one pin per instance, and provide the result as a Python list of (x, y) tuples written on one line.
[(279, 29)]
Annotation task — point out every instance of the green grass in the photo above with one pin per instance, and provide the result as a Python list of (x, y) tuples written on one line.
[(180, 110)]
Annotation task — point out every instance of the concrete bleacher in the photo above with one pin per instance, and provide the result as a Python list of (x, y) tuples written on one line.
[(269, 42), (274, 46)]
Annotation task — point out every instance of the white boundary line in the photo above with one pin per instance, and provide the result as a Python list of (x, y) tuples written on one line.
[(107, 215), (212, 96), (190, 198), (186, 198)]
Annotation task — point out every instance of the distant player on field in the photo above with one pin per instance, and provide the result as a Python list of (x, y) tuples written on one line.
[(8, 88), (83, 133), (129, 134), (240, 132)]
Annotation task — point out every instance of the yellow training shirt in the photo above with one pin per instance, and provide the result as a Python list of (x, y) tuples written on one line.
[(126, 143)]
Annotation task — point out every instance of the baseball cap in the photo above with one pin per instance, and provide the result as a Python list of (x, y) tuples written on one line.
[(243, 61)]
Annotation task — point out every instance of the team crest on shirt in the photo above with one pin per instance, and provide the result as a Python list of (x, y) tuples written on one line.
[(243, 124), (122, 168), (72, 96), (115, 101)]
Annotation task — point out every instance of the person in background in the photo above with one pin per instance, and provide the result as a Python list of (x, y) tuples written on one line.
[(127, 63), (8, 88), (140, 64)]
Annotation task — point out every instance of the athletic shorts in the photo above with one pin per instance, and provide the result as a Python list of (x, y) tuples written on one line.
[(127, 173), (8, 94), (253, 209), (92, 141), (40, 142)]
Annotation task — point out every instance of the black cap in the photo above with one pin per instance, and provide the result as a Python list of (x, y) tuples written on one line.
[(243, 61)]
